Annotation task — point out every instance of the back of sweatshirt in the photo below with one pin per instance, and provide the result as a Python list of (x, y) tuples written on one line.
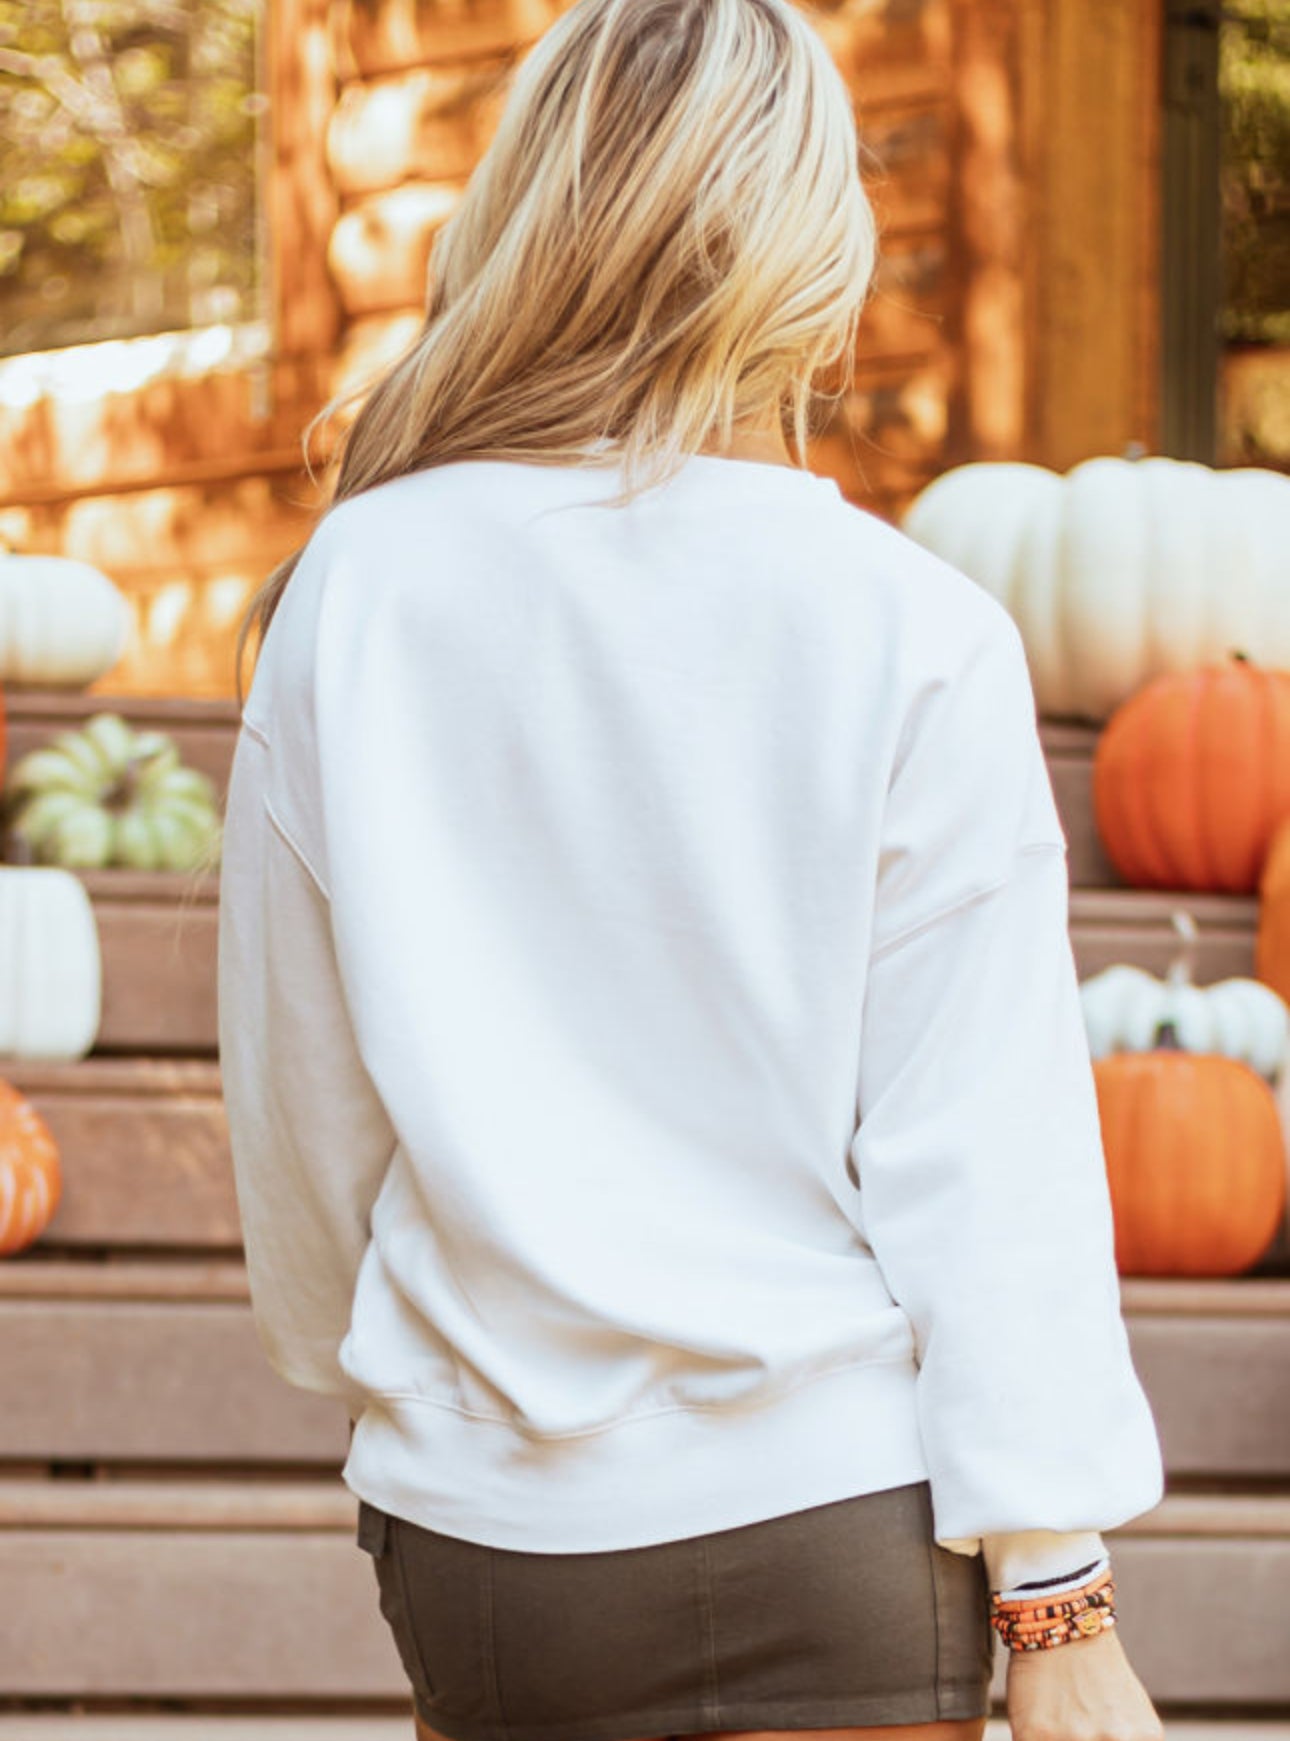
[(656, 1077)]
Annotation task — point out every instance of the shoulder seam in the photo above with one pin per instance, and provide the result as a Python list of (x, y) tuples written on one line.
[(296, 850), (906, 936)]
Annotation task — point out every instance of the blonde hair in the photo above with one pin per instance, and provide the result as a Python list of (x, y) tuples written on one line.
[(667, 237)]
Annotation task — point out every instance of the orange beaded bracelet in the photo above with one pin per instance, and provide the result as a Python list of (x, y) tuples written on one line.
[(1082, 1613)]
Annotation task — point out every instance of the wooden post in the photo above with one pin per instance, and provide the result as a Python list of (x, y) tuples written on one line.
[(988, 233), (1091, 72)]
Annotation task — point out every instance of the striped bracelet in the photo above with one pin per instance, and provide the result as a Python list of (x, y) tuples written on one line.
[(1030, 1625)]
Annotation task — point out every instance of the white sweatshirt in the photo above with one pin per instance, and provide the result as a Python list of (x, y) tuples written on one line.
[(657, 1082)]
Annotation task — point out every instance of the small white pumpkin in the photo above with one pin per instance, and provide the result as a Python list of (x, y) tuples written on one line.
[(1120, 569), (51, 970), (1124, 1007), (62, 623)]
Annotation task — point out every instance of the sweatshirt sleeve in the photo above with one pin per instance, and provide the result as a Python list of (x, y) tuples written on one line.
[(1034, 1561), (982, 1180), (311, 1142)]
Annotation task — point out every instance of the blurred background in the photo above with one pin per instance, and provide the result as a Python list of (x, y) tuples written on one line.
[(214, 216)]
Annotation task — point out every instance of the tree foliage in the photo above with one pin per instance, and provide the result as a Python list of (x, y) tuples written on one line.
[(128, 143)]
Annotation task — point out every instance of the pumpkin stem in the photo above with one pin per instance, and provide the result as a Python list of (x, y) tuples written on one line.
[(1134, 450), (1166, 1037), (1180, 968), (123, 794), (1243, 657)]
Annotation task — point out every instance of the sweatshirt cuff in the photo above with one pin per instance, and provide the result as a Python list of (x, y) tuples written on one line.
[(1041, 1555)]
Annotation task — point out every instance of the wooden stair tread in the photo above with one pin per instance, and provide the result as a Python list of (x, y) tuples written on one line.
[(138, 887), (103, 1077), (206, 733), (29, 1277), (1070, 739), (145, 1380), (158, 1360), (158, 939), (327, 1505), (319, 1506), (259, 1591), (1089, 904), (147, 1727), (144, 1141), (144, 1146), (158, 932), (1233, 913), (1176, 1729), (56, 709), (144, 1726), (1203, 1297), (37, 1276), (158, 929)]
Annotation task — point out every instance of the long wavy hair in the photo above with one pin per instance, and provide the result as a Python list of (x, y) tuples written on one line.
[(667, 239)]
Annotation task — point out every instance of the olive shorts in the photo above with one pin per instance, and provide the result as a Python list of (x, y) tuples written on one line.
[(839, 1616)]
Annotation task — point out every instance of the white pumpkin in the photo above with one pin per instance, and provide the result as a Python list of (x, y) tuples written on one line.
[(62, 623), (51, 971), (1238, 1018), (1120, 569)]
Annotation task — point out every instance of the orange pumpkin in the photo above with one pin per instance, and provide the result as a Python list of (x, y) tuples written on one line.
[(1272, 944), (1191, 778), (30, 1177), (1195, 1160)]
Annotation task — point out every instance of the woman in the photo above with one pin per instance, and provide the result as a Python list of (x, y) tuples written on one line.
[(651, 1043)]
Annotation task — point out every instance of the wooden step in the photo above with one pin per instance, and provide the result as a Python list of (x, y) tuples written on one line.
[(159, 934), (206, 731), (248, 1600), (144, 1146), (1135, 925), (160, 1362), (1068, 750), (159, 930), (144, 1149), (104, 1377), (244, 1602), (144, 1726), (144, 1143), (1214, 1360)]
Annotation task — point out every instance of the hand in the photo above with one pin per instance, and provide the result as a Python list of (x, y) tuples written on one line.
[(1083, 1690)]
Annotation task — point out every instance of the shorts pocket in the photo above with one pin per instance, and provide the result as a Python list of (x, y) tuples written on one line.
[(378, 1535)]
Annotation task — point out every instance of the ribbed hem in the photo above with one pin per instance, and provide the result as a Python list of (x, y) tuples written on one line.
[(653, 1478)]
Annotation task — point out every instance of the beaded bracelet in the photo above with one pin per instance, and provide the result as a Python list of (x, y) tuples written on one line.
[(1024, 1614), (1026, 1625), (1087, 1625)]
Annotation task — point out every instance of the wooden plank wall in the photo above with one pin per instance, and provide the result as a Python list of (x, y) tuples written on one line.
[(1012, 314), (187, 488), (890, 430)]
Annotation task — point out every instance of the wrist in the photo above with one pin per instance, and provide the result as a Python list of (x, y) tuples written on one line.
[(1027, 1624)]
